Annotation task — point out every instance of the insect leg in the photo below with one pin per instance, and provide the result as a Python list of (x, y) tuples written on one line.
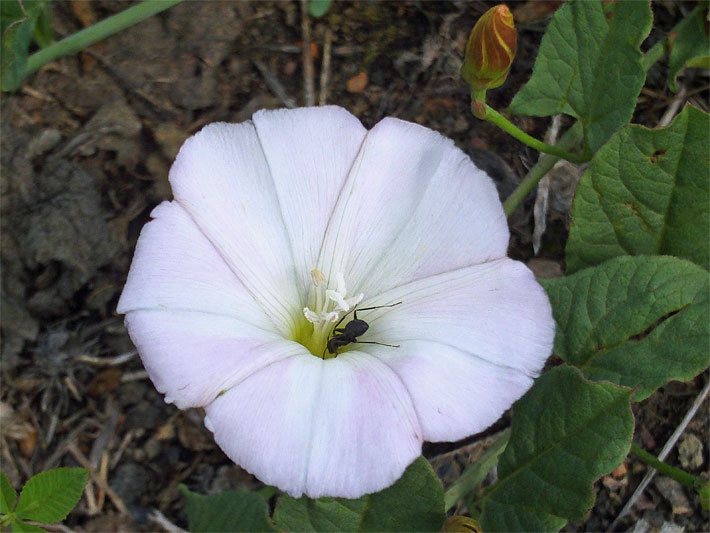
[(341, 320)]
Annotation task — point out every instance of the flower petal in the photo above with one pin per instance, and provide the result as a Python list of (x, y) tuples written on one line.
[(222, 180), (495, 314), (175, 267), (413, 206), (342, 427), (193, 357), (310, 152), (455, 394)]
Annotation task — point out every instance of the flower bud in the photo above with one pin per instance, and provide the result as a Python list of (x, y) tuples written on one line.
[(461, 524), (490, 49)]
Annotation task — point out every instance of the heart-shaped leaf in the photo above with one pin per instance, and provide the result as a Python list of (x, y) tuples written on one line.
[(690, 44), (566, 432), (646, 193), (414, 503), (226, 511), (637, 321), (589, 67)]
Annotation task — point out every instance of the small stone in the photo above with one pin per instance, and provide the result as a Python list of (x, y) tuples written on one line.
[(144, 416), (130, 481), (131, 392), (690, 452), (620, 471), (357, 83), (671, 527), (43, 143), (152, 449), (673, 492), (170, 139), (166, 431)]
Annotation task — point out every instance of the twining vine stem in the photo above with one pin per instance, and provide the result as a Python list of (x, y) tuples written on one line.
[(567, 142), (492, 116), (681, 476)]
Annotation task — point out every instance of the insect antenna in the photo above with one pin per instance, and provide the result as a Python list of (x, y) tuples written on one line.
[(379, 343), (377, 307)]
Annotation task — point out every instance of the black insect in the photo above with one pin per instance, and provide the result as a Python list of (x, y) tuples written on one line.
[(355, 328)]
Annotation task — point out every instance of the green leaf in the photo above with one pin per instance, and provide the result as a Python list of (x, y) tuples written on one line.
[(22, 527), (318, 8), (690, 44), (18, 21), (566, 432), (476, 472), (414, 503), (8, 496), (49, 496), (589, 67), (44, 34), (646, 193), (636, 321), (226, 511)]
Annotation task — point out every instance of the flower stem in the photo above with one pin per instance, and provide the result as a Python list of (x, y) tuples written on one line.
[(681, 476), (96, 32), (492, 116), (572, 137), (569, 140), (476, 472)]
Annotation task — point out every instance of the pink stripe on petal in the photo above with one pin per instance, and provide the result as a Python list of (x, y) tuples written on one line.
[(455, 393), (342, 427)]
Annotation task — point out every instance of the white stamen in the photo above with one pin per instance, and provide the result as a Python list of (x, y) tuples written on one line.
[(354, 300), (312, 317), (333, 316), (317, 277), (324, 311), (340, 279), (337, 297)]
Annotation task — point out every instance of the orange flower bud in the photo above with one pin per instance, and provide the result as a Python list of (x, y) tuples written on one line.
[(490, 49)]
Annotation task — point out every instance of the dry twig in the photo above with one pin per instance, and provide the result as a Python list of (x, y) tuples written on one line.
[(102, 483), (308, 83), (108, 361), (672, 110), (159, 519), (274, 84), (325, 68), (664, 453)]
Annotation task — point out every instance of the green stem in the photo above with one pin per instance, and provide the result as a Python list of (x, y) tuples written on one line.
[(476, 472), (96, 32), (570, 139), (492, 116), (681, 476)]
